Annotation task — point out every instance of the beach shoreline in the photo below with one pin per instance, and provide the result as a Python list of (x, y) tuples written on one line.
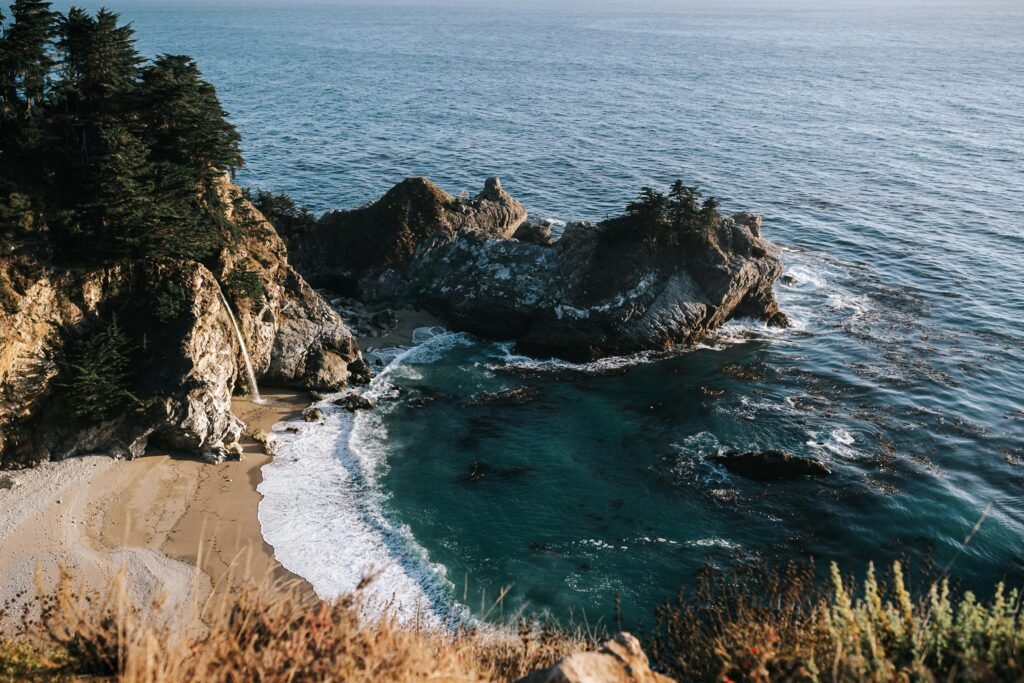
[(180, 528)]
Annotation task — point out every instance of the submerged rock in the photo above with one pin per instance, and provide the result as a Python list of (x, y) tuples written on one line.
[(620, 660), (770, 465), (512, 397), (599, 290)]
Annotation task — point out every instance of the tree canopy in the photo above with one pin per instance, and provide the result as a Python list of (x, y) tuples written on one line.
[(105, 155), (665, 220)]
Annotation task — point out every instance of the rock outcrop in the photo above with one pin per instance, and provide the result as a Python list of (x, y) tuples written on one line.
[(388, 233), (598, 290), (771, 465), (185, 356), (620, 660)]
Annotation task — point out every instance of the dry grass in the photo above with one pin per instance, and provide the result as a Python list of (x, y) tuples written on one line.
[(744, 625), (265, 633)]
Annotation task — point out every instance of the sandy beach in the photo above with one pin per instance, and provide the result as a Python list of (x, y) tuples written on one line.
[(178, 526)]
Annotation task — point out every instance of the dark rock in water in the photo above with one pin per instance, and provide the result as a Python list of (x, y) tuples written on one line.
[(354, 402), (711, 392), (755, 372), (481, 470), (313, 414), (771, 465), (538, 547), (788, 279), (599, 290), (513, 397), (478, 470)]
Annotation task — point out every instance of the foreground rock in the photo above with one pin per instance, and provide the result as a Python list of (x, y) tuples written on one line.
[(620, 660), (185, 357), (623, 286), (771, 465)]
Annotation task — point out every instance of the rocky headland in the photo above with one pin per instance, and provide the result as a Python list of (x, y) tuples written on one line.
[(184, 360), (652, 279)]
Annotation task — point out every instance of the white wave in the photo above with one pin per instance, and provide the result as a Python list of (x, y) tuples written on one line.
[(839, 442), (858, 304), (507, 358), (327, 518)]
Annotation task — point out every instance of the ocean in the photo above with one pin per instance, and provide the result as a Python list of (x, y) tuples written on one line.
[(884, 145)]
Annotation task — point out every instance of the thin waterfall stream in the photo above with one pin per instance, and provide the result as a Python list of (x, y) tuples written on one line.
[(254, 390)]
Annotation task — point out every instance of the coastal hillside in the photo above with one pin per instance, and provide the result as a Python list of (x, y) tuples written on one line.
[(139, 288)]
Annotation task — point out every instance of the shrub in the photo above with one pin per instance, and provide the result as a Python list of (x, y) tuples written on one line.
[(245, 283), (99, 373)]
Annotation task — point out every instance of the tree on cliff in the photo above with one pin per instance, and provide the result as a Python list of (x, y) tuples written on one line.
[(660, 220), (27, 53), (115, 157), (120, 219), (184, 122), (99, 374), (99, 66)]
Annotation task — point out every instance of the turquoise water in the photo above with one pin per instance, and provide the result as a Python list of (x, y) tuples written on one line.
[(882, 143)]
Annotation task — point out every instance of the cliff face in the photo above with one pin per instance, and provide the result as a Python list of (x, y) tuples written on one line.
[(184, 361), (388, 233), (596, 291)]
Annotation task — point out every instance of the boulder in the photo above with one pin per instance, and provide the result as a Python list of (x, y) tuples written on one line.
[(313, 414), (771, 465), (535, 233), (354, 402), (620, 660)]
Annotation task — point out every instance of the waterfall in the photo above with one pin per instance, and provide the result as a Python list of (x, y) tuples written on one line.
[(253, 389)]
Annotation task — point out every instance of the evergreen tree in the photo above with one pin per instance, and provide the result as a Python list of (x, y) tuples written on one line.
[(709, 211), (28, 53), (99, 374), (99, 58), (120, 218), (186, 125), (650, 205), (684, 205)]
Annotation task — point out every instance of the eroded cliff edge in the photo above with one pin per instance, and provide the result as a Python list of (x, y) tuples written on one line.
[(183, 359), (651, 279)]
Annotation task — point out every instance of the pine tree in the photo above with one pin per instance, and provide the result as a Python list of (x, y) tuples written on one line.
[(100, 373), (187, 126), (120, 219), (683, 204), (709, 211), (28, 51), (99, 58)]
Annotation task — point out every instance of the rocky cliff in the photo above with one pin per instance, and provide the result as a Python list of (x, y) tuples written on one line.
[(613, 288), (181, 351)]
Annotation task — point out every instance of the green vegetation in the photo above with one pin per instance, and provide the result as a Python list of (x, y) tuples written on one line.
[(103, 156), (748, 625), (243, 282), (99, 373), (288, 219), (662, 220)]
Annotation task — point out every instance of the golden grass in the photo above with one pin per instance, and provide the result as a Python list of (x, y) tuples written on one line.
[(266, 633), (748, 624)]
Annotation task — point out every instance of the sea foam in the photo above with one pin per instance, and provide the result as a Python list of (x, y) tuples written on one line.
[(327, 517)]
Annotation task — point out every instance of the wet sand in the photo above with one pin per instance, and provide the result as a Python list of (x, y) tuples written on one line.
[(408, 322)]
